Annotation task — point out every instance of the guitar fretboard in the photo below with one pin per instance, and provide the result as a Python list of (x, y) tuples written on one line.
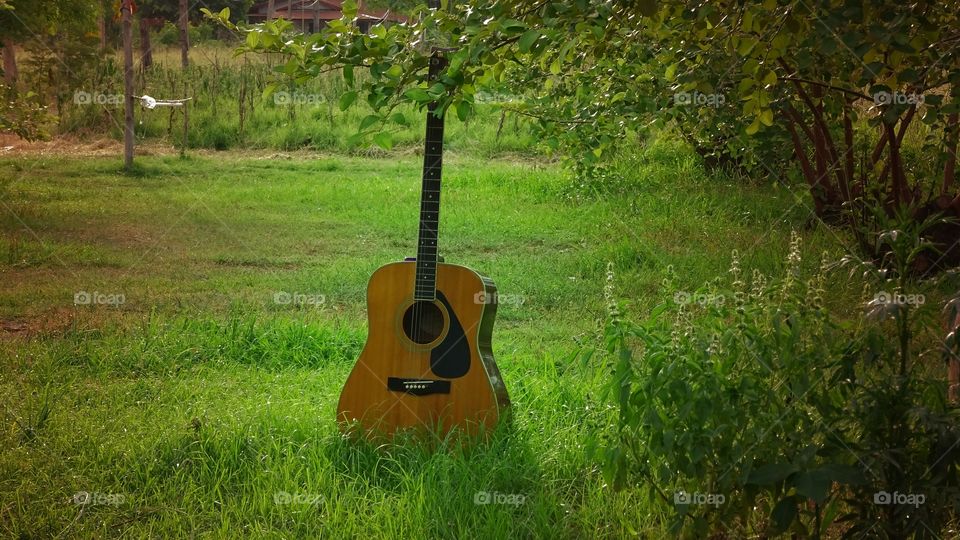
[(425, 286)]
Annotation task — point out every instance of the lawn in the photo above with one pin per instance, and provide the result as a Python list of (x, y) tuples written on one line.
[(184, 400)]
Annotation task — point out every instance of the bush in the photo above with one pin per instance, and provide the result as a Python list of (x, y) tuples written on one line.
[(749, 408), (24, 115), (170, 34)]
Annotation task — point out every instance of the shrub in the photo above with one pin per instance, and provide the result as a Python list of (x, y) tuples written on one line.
[(169, 34), (750, 408)]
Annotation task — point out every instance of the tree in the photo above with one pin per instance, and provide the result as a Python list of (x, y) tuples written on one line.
[(184, 24), (45, 29), (23, 20), (126, 14), (819, 71), (784, 77), (146, 49)]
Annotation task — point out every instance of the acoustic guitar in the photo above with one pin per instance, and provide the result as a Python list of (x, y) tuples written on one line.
[(427, 364)]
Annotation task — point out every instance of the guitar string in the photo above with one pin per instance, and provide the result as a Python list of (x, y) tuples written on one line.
[(432, 172), (432, 162)]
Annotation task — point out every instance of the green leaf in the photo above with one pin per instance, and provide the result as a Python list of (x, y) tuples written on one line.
[(369, 121), (349, 9), (754, 127), (418, 94), (746, 45), (437, 90), (814, 484), (347, 99), (783, 514), (671, 71), (348, 74), (770, 474), (647, 8), (383, 140), (269, 90), (555, 66), (354, 139), (399, 118), (766, 117), (528, 39), (512, 26), (394, 72), (845, 474), (464, 108)]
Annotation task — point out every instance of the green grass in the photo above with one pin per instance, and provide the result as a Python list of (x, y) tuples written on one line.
[(198, 400), (229, 109)]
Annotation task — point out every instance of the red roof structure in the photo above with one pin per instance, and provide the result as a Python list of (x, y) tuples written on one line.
[(311, 15)]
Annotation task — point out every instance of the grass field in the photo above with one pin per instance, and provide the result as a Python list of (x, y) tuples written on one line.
[(188, 402), (229, 109)]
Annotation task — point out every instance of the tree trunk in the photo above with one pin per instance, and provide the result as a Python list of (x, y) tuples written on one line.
[(127, 29), (898, 186), (9, 62), (801, 154), (848, 186), (146, 52), (102, 28), (184, 35), (270, 10)]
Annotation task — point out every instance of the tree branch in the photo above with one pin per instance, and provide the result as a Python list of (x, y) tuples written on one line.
[(539, 117), (827, 86)]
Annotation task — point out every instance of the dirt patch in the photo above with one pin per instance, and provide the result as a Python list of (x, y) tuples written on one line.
[(52, 322), (67, 146), (99, 146), (74, 146)]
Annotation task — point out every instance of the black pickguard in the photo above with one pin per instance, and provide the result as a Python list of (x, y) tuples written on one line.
[(451, 358)]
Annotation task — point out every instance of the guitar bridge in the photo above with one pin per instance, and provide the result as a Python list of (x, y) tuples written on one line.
[(418, 387)]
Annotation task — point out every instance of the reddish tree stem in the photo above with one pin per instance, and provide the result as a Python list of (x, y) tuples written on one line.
[(950, 167)]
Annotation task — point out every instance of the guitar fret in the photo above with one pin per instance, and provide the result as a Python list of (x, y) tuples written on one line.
[(426, 264)]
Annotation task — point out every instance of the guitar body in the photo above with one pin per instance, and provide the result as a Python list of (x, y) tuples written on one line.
[(426, 365)]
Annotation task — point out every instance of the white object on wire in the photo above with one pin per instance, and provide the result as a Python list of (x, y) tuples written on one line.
[(152, 103)]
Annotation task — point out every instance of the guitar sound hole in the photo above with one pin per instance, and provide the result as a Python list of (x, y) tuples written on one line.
[(423, 322)]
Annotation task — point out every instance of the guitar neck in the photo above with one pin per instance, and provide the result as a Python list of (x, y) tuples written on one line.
[(425, 287)]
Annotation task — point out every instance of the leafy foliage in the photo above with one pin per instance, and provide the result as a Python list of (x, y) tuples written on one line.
[(24, 19), (751, 85), (751, 392), (23, 114)]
